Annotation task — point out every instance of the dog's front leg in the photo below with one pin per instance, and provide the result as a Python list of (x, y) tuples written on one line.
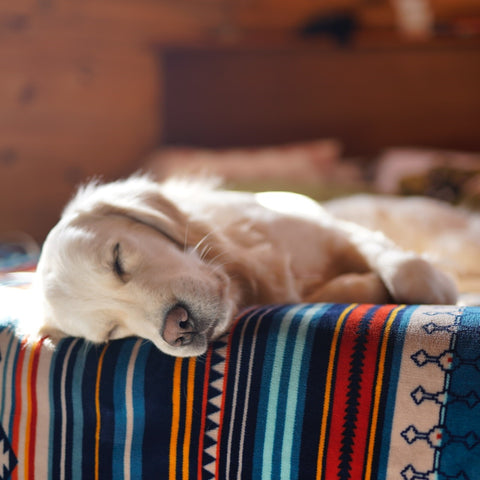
[(408, 277), (350, 288)]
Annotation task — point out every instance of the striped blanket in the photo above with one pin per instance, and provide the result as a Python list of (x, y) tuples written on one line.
[(322, 391)]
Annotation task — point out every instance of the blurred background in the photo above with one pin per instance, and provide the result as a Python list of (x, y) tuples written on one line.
[(309, 95)]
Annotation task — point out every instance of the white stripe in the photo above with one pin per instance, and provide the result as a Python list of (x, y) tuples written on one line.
[(129, 411), (293, 390), (235, 392), (247, 393), (63, 404), (273, 396), (42, 440)]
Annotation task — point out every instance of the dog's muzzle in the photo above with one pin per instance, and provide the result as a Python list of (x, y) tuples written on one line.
[(179, 328)]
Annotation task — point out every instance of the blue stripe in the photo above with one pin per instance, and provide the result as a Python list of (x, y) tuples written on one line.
[(119, 409), (267, 412), (5, 372), (77, 408), (136, 470), (268, 361), (462, 418), (14, 373), (296, 393), (55, 433), (283, 394), (106, 402), (69, 410)]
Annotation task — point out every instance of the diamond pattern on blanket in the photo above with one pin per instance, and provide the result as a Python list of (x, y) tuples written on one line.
[(8, 461), (213, 408)]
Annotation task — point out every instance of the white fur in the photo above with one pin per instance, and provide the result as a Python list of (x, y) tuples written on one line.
[(212, 252)]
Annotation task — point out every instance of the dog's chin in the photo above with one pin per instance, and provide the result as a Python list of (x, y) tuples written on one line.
[(197, 347), (213, 328)]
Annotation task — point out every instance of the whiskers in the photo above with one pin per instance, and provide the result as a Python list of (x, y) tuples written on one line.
[(185, 240), (201, 242), (214, 260), (209, 253)]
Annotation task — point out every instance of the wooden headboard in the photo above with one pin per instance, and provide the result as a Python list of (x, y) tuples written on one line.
[(370, 95)]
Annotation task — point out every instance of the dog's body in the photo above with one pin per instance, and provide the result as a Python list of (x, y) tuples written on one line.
[(174, 262)]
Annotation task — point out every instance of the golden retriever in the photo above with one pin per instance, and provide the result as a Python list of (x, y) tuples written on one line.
[(174, 262)]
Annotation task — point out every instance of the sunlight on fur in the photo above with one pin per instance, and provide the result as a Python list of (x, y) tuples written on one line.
[(174, 262)]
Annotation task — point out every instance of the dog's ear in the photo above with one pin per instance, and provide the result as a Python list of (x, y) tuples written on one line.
[(138, 199), (159, 214), (142, 200)]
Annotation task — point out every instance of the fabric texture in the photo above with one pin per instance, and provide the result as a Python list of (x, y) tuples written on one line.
[(324, 391)]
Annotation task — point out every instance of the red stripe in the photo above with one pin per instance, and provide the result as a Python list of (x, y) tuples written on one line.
[(34, 406), (340, 390), (206, 382), (367, 390), (18, 401)]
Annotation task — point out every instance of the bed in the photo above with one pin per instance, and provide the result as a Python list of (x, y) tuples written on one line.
[(307, 391)]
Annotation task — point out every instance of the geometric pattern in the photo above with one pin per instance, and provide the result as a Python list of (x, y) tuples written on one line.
[(321, 391), (439, 437), (7, 456), (213, 409), (453, 401)]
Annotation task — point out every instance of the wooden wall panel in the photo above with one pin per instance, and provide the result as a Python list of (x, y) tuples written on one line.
[(454, 8), (369, 98), (285, 14), (64, 118), (80, 95), (81, 88)]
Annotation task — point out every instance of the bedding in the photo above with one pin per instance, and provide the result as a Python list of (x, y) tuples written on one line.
[(308, 391), (315, 168)]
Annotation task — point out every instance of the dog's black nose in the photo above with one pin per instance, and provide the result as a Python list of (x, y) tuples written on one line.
[(179, 327)]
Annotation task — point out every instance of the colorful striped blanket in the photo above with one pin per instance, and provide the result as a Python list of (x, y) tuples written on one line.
[(322, 391)]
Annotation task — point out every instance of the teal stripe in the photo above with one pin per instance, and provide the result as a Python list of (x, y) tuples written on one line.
[(274, 356), (13, 393), (120, 410), (283, 394), (270, 344), (139, 409), (296, 396), (5, 373), (77, 411)]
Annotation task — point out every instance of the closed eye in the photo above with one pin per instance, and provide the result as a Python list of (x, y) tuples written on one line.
[(117, 263)]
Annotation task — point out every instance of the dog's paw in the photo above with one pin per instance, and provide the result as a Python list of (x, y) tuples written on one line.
[(414, 280), (51, 335)]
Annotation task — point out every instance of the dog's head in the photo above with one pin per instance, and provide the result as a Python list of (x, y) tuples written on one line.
[(124, 260)]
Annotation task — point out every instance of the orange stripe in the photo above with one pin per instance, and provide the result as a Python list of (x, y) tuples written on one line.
[(97, 411), (378, 390), (32, 410), (328, 389), (177, 375), (189, 416)]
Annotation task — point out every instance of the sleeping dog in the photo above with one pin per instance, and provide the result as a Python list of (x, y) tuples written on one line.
[(174, 262)]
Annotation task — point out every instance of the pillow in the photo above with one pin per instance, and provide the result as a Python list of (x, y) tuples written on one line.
[(293, 166)]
